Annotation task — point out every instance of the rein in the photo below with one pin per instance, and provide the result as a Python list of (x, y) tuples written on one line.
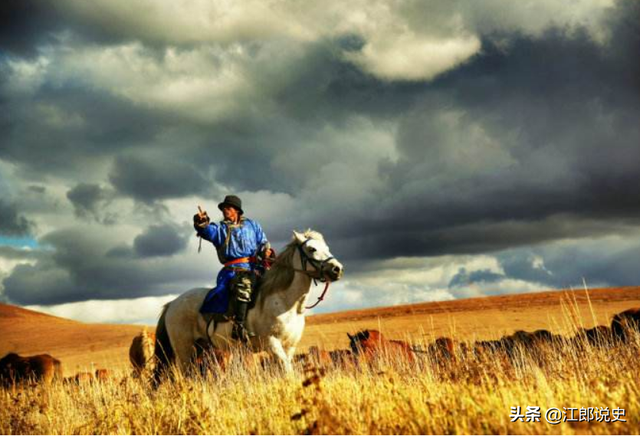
[(321, 297)]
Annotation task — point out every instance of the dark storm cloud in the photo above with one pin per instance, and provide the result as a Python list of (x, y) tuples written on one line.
[(532, 129), (474, 238), (547, 128), (322, 91), (86, 197), (161, 240), (67, 126), (24, 24), (153, 178), (600, 262), (81, 265), (465, 278), (533, 139), (38, 189), (11, 222)]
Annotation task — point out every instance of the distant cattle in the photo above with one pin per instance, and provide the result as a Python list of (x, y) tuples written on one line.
[(41, 368), (625, 324), (141, 352), (371, 345)]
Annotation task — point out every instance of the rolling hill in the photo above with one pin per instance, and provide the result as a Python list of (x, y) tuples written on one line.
[(83, 347)]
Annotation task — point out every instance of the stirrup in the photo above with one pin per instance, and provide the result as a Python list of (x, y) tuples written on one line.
[(240, 333)]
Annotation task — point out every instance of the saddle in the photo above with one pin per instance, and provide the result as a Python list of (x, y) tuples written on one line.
[(227, 316)]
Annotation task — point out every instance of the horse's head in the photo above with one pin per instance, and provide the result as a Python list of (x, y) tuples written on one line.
[(364, 340), (316, 257)]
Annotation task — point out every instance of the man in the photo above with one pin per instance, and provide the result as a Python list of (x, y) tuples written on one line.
[(238, 241)]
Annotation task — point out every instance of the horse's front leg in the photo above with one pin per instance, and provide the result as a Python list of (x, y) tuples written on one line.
[(276, 348)]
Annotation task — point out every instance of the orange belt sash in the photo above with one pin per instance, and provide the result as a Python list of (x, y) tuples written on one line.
[(251, 259)]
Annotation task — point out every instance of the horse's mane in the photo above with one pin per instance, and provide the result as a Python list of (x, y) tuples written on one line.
[(280, 276)]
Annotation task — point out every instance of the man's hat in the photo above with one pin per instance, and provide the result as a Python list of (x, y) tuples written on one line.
[(233, 201)]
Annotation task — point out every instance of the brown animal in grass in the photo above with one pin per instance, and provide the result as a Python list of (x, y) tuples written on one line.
[(41, 368), (103, 374), (83, 377), (524, 339), (208, 359), (371, 345), (141, 352), (443, 348), (342, 358), (486, 347), (543, 335), (626, 324), (315, 357), (510, 346), (319, 357), (527, 342), (598, 335)]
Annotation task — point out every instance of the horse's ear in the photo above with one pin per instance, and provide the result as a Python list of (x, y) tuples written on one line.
[(298, 236)]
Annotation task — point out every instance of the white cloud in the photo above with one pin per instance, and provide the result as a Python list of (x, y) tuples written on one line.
[(412, 280), (499, 287), (403, 40), (24, 77), (537, 262), (412, 57), (193, 21), (202, 84), (126, 311), (203, 21)]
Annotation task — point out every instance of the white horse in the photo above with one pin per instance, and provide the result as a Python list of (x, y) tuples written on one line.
[(277, 319)]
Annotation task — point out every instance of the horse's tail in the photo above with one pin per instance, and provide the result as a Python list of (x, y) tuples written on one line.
[(163, 352)]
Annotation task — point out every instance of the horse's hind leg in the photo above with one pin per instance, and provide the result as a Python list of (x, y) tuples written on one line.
[(183, 349)]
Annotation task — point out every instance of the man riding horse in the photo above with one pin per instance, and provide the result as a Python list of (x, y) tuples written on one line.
[(240, 243)]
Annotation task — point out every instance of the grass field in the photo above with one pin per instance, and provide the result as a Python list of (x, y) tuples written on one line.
[(471, 393)]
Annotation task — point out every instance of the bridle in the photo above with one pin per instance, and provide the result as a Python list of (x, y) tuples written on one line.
[(318, 265)]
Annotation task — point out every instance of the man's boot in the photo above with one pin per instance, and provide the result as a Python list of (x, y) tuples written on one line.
[(239, 332)]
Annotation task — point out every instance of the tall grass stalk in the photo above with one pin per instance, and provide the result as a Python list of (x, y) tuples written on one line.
[(471, 393)]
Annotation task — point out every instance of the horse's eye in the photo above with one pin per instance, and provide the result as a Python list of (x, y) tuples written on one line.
[(312, 250)]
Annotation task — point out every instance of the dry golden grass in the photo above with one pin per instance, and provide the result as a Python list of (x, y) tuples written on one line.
[(473, 393)]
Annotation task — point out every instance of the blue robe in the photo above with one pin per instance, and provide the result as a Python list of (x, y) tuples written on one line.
[(232, 242)]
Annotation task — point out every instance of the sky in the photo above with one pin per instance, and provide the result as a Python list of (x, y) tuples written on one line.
[(445, 149)]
